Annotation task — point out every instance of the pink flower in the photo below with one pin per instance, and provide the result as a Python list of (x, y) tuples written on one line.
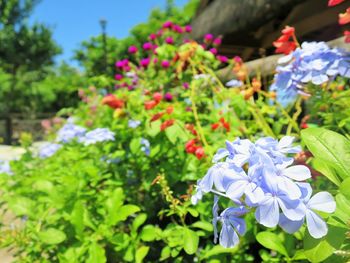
[(118, 76), (237, 59), (222, 59), (147, 46), (213, 50), (188, 28), (178, 29), (168, 96), (119, 64), (217, 41), (145, 62), (165, 64), (169, 40), (186, 85), (347, 36), (155, 60), (160, 32), (167, 24), (208, 38), (152, 36), (132, 49), (186, 40)]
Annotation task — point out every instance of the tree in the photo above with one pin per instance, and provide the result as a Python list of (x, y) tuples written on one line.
[(24, 50)]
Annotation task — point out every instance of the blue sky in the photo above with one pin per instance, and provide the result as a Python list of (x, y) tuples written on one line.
[(76, 20)]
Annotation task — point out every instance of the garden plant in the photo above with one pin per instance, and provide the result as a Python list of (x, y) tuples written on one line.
[(170, 164)]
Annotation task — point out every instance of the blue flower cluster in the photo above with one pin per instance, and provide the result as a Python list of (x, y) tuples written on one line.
[(145, 146), (261, 177), (313, 62), (48, 150), (234, 83), (5, 167), (97, 135), (70, 132)]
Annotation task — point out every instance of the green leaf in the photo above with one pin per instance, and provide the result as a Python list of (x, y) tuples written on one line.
[(166, 251), (271, 241), (96, 254), (344, 188), (329, 147), (77, 218), (125, 211), (154, 127), (138, 221), (135, 145), (113, 203), (191, 241), (43, 186), (203, 225), (317, 250), (148, 233), (176, 132), (299, 255), (326, 170), (21, 206), (141, 253), (52, 236)]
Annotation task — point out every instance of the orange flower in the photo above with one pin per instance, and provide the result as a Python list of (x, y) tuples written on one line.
[(113, 102), (214, 126), (344, 18), (166, 124), (169, 109), (256, 84), (190, 127), (150, 104), (157, 96)]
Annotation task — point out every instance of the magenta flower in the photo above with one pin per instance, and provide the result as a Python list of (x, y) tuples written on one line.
[(118, 76), (186, 85), (186, 40), (147, 46), (132, 49), (178, 29), (213, 50), (217, 41), (160, 32), (208, 38), (155, 60), (168, 96), (165, 64), (119, 64), (152, 36), (168, 24), (169, 40), (145, 62), (222, 59), (188, 28), (237, 59)]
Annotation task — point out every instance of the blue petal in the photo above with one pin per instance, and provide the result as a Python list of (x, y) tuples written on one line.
[(322, 201), (228, 237), (267, 213), (315, 224), (290, 226)]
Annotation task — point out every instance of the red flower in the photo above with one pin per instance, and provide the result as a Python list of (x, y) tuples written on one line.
[(287, 42), (199, 153), (334, 2), (166, 124), (347, 36), (190, 146), (157, 96), (157, 116), (150, 104), (190, 127), (344, 18), (113, 102), (225, 124), (215, 126)]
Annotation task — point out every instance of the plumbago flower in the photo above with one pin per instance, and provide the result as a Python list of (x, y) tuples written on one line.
[(313, 62), (5, 167), (48, 150), (69, 132), (97, 135), (260, 177)]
